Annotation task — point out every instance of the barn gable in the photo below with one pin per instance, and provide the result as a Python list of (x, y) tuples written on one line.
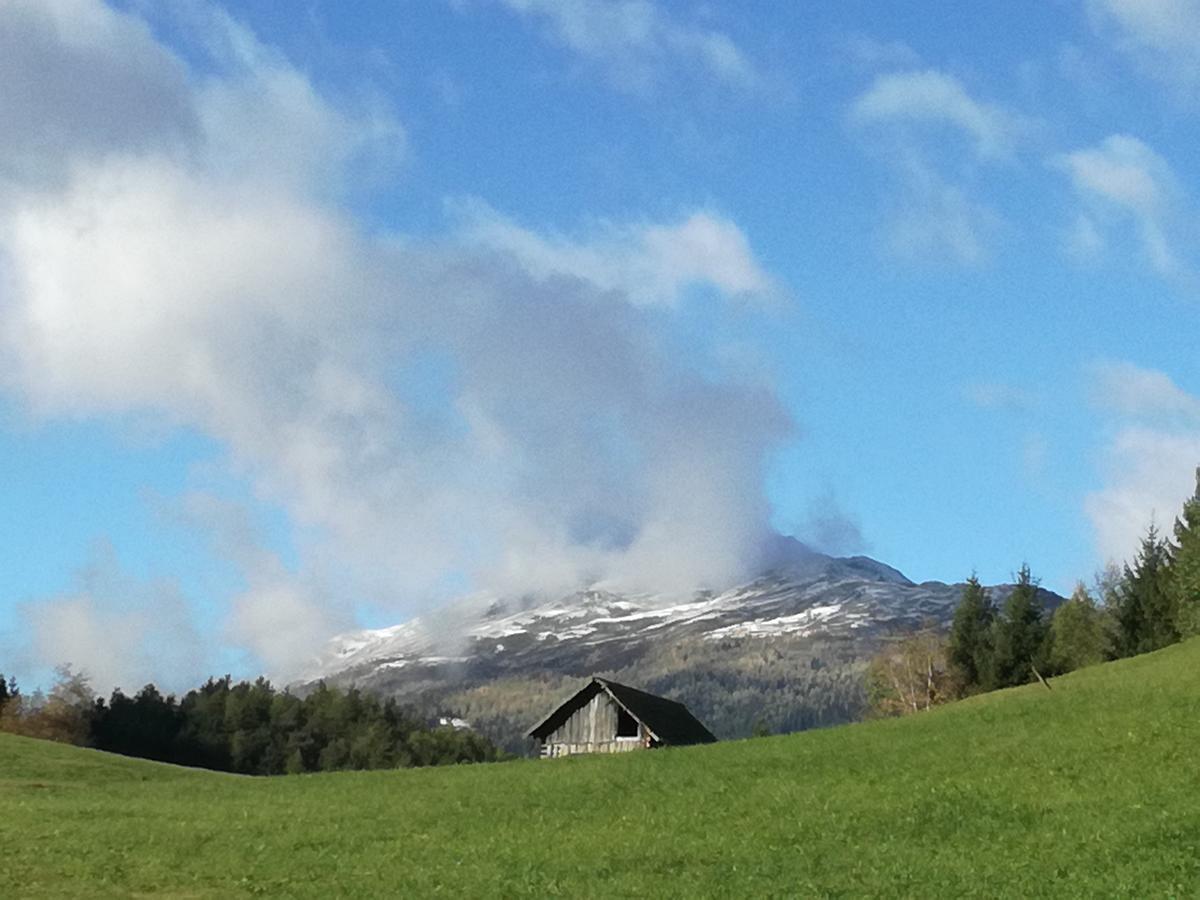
[(668, 720), (606, 717)]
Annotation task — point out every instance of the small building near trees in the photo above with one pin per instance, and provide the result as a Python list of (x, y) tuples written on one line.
[(606, 717)]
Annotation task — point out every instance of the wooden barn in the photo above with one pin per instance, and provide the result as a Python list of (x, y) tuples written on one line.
[(606, 717)]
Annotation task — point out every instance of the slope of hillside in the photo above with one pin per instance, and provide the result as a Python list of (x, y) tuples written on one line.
[(1086, 789)]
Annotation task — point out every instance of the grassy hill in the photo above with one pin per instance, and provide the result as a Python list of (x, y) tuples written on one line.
[(1092, 788)]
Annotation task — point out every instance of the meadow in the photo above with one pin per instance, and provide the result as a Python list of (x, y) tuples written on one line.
[(1089, 789)]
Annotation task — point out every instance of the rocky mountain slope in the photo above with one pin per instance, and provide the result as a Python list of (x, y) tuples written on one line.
[(783, 651)]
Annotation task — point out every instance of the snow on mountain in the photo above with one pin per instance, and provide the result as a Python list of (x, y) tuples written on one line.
[(785, 650), (806, 593)]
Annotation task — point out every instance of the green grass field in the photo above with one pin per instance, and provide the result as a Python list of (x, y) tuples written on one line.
[(1091, 789)]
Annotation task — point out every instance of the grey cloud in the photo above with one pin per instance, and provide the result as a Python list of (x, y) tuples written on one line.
[(82, 81), (830, 529)]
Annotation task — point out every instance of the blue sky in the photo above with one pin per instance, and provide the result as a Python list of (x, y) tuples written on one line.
[(315, 315)]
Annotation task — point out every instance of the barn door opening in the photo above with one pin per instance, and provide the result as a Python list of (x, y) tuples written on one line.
[(627, 725)]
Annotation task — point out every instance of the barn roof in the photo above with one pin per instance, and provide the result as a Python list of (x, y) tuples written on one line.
[(669, 721)]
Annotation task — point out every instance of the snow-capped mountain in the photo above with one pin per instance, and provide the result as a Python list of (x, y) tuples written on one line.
[(836, 596), (818, 616)]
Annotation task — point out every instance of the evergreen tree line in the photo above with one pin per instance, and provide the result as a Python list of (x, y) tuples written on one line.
[(1137, 608), (245, 727), (988, 647), (1141, 607), (994, 647)]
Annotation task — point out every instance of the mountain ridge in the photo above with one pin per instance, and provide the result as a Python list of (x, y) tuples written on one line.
[(806, 625)]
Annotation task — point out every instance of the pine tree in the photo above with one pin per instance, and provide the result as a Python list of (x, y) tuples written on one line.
[(1020, 631), (1145, 610), (1183, 582), (5, 696), (970, 645), (1078, 635)]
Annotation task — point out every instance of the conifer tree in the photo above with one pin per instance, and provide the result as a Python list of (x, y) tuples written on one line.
[(1078, 635), (1020, 631), (1183, 582), (1145, 610), (5, 696), (970, 645), (12, 698)]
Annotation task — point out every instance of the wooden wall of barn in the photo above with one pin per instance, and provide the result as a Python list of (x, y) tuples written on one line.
[(593, 729)]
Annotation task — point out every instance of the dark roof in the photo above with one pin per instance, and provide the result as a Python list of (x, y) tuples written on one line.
[(667, 720), (564, 710)]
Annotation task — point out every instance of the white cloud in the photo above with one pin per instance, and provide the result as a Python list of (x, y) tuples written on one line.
[(1132, 391), (1149, 475), (119, 630), (933, 219), (283, 619), (1150, 460), (1123, 178), (283, 624), (648, 263), (1084, 240), (636, 41), (219, 286), (933, 215), (931, 97), (1161, 35), (1122, 170)]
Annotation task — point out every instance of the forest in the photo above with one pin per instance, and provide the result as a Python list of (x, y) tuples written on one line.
[(245, 727)]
